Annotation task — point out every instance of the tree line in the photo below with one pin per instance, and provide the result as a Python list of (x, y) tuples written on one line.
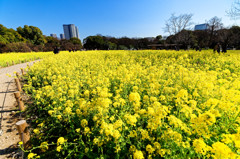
[(31, 38), (214, 33), (184, 39), (100, 42)]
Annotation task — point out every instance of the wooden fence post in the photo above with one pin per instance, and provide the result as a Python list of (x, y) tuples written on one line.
[(18, 84), (19, 101), (17, 74), (22, 71), (17, 94), (23, 132)]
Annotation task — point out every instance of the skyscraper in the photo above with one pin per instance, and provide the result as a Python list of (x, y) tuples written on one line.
[(53, 35), (204, 26), (62, 36), (77, 33), (70, 31)]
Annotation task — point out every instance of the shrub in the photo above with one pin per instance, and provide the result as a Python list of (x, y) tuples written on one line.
[(16, 47)]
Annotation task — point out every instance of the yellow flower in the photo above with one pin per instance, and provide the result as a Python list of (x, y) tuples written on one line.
[(8, 75), (200, 146), (150, 149), (86, 150), (44, 146), (95, 141), (31, 155), (84, 123), (228, 138), (67, 111), (60, 140), (59, 117), (131, 119), (134, 97), (36, 131), (71, 93), (50, 112), (138, 155), (118, 124), (132, 148), (117, 148), (157, 145), (116, 134), (135, 94), (133, 133), (59, 148), (78, 130), (182, 94), (112, 118), (151, 111), (221, 150), (78, 111), (41, 124), (86, 93), (144, 134), (86, 130)]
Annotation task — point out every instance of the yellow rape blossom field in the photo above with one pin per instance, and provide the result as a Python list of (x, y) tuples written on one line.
[(16, 58), (135, 104)]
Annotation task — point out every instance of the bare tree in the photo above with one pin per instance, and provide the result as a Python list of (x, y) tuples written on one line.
[(234, 12), (214, 24), (176, 24)]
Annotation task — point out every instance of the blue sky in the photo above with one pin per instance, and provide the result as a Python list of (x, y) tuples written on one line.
[(118, 18)]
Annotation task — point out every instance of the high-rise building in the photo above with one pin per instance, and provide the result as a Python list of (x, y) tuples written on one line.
[(77, 33), (204, 26), (70, 31), (62, 36), (53, 35)]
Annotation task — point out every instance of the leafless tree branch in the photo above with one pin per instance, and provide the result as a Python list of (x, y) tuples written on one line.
[(176, 24), (234, 12)]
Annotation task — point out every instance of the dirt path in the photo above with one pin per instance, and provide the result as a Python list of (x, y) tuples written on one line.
[(8, 133)]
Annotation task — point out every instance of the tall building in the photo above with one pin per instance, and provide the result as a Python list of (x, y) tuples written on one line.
[(77, 33), (70, 31), (53, 35), (201, 27), (62, 36)]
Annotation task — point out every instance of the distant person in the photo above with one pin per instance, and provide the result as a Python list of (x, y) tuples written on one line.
[(198, 48), (218, 48), (224, 48), (176, 48), (185, 47), (56, 50), (214, 48)]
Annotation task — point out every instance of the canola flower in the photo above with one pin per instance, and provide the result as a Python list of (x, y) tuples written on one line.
[(16, 58), (138, 155), (60, 140), (32, 156), (136, 104)]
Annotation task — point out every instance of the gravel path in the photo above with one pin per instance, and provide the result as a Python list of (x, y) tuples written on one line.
[(8, 133)]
